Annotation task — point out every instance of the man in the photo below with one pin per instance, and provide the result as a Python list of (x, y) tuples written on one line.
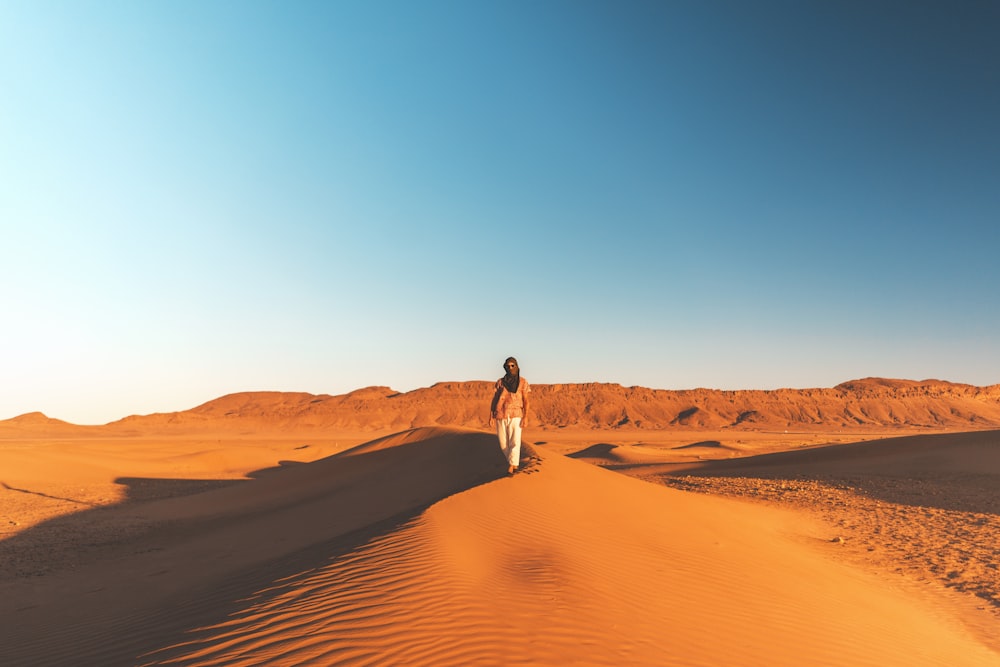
[(509, 412)]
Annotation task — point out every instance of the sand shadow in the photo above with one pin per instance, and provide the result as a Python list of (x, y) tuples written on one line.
[(84, 534), (318, 501), (282, 465), (144, 489), (601, 450), (957, 493), (29, 492), (955, 472), (228, 598)]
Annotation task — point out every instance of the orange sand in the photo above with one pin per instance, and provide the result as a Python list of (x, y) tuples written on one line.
[(416, 549)]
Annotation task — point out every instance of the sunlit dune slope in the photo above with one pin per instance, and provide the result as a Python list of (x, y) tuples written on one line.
[(417, 550)]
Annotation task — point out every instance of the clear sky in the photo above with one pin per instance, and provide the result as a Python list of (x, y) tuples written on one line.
[(199, 198)]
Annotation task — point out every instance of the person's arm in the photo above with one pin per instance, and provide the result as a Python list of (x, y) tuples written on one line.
[(524, 404), (493, 406)]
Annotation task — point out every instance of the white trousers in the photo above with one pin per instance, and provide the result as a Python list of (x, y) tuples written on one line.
[(509, 434)]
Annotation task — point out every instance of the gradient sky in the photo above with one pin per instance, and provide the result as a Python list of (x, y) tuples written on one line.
[(199, 198)]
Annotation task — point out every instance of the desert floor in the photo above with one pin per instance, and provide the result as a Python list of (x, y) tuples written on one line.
[(606, 548)]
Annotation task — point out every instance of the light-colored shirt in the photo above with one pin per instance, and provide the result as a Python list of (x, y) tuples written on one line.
[(508, 404)]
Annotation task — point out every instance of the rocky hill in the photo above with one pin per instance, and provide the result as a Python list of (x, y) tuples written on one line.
[(866, 403)]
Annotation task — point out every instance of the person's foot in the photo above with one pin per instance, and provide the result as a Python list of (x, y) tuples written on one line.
[(511, 469)]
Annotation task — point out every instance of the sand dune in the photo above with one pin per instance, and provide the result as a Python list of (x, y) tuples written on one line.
[(417, 549)]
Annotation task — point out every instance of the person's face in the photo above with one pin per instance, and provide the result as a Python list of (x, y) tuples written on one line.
[(510, 367)]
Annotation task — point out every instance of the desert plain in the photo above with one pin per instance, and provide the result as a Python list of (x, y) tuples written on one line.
[(854, 525)]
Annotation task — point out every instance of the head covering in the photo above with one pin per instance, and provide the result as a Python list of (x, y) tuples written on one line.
[(512, 380)]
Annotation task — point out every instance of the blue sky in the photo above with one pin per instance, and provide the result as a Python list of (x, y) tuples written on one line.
[(199, 198)]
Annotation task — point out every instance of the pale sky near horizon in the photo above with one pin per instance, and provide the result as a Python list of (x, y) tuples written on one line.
[(199, 198)]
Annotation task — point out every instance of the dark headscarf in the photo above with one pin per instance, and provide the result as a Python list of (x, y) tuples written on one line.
[(512, 380)]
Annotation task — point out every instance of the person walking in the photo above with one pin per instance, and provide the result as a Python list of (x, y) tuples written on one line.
[(509, 412)]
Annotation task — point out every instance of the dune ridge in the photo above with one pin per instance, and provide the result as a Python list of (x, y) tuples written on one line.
[(865, 403)]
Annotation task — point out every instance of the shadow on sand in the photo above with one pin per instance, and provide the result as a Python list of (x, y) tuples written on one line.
[(327, 508), (954, 471)]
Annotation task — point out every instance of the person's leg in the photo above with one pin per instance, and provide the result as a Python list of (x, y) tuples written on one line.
[(514, 442), (503, 435), (509, 435)]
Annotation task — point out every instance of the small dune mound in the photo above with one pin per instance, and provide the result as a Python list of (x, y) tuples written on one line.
[(710, 444), (601, 450)]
